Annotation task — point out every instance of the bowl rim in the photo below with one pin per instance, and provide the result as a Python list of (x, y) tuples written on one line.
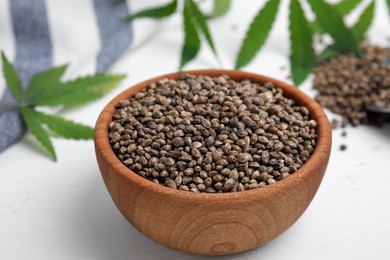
[(321, 150)]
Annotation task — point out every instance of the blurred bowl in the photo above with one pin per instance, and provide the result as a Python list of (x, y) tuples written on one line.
[(213, 224)]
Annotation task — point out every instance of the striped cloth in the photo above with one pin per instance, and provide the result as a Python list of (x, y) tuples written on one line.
[(36, 35)]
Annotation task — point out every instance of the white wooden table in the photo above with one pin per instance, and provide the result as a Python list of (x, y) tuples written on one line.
[(62, 210)]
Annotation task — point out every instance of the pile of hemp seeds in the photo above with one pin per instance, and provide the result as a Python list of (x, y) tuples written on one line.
[(346, 84), (212, 135)]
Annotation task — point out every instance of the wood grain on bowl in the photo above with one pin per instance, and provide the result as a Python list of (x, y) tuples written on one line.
[(213, 224)]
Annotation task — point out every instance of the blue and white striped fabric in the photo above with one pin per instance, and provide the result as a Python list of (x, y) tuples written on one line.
[(36, 35)]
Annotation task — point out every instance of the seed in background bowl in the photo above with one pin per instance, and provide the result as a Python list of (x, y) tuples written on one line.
[(348, 85)]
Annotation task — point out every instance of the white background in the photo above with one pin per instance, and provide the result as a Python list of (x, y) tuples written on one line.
[(61, 210)]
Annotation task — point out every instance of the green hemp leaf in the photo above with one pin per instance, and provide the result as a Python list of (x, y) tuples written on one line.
[(64, 128), (12, 78), (257, 33), (301, 39), (331, 21), (194, 24), (75, 92), (329, 52), (202, 24), (37, 130), (47, 89), (156, 13), (388, 6), (359, 29), (365, 20), (329, 18), (344, 7), (191, 44), (43, 81), (221, 7)]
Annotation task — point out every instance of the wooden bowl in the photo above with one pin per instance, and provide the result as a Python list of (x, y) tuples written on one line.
[(212, 224)]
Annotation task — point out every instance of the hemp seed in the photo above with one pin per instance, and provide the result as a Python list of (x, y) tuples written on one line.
[(212, 135)]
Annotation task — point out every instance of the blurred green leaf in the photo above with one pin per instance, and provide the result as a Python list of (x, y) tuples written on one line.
[(329, 52), (332, 22), (76, 92), (220, 8), (315, 27), (301, 39), (12, 78), (346, 6), (37, 130), (201, 22), (192, 43), (65, 128), (156, 13), (44, 81), (364, 22), (388, 6), (257, 33)]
